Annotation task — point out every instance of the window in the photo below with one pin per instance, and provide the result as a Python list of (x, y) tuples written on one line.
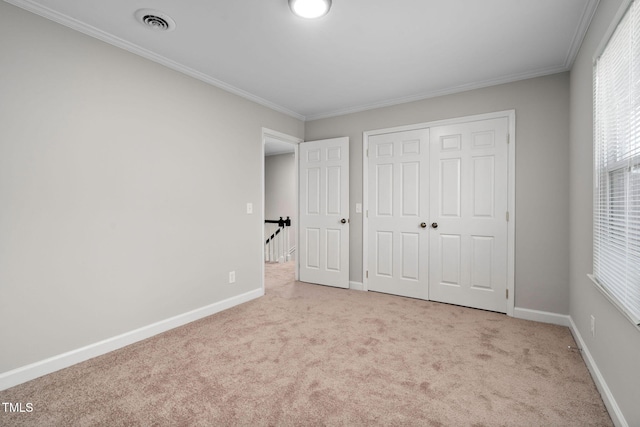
[(616, 240)]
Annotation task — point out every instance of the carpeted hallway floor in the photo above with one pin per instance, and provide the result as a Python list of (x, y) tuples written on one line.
[(313, 355)]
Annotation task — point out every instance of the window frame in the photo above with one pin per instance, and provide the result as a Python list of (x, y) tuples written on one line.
[(628, 167)]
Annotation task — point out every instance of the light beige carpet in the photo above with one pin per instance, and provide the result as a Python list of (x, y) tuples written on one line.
[(312, 355)]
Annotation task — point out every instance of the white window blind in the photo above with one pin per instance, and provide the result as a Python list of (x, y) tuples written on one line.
[(616, 256)]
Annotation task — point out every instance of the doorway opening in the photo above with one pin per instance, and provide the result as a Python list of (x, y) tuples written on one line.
[(279, 200)]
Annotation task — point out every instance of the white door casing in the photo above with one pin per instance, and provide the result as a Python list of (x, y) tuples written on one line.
[(398, 205), (324, 212), (469, 204)]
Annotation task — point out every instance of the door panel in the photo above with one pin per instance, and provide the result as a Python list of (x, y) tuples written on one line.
[(410, 258), (469, 175), (313, 191), (483, 186), (312, 247), (450, 188), (450, 250), (410, 189), (481, 261), (398, 196), (324, 202)]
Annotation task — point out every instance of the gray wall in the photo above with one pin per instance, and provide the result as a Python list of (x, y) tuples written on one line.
[(616, 345), (542, 175), (123, 187), (280, 190)]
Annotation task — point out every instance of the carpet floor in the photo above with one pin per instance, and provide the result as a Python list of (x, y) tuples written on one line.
[(309, 355)]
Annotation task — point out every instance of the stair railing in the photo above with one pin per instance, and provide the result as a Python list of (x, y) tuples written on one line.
[(277, 244)]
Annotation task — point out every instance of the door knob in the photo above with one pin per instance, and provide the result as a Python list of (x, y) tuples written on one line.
[(434, 225), (344, 221), (423, 224)]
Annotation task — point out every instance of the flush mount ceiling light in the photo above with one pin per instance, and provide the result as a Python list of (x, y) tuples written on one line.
[(155, 20), (310, 9)]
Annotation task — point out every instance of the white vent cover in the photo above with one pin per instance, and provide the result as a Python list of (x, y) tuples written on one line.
[(155, 20)]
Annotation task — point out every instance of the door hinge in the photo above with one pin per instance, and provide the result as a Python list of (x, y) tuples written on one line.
[(507, 216), (367, 275), (367, 213), (367, 152), (507, 293), (508, 138)]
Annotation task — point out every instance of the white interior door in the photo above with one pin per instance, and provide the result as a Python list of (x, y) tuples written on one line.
[(468, 230), (398, 213), (324, 210)]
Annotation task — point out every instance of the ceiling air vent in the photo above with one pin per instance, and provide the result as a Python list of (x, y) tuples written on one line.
[(155, 20)]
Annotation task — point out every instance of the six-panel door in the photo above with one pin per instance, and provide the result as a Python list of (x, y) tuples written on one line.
[(468, 205), (398, 207), (324, 212)]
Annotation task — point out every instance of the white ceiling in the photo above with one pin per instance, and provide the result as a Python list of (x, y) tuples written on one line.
[(363, 54)]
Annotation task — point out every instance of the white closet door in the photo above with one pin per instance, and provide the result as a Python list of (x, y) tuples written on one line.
[(398, 206), (324, 212), (468, 221)]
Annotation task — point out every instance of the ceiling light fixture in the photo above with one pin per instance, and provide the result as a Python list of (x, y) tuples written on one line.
[(310, 9)]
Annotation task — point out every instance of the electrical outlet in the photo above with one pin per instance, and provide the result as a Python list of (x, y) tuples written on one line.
[(232, 277), (593, 326)]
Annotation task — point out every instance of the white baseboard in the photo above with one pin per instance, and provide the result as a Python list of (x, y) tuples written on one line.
[(358, 286), (607, 397), (542, 316), (563, 320), (64, 360)]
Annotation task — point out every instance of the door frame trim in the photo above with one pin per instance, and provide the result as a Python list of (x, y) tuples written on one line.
[(511, 190), (282, 137)]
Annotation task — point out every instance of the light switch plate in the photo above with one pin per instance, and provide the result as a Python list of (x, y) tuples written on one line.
[(249, 208), (358, 207)]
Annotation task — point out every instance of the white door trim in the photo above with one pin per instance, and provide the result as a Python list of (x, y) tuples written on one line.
[(282, 137), (511, 116)]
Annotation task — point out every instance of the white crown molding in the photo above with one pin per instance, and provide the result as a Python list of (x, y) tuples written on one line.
[(581, 31), (433, 94), (91, 31), (576, 42)]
